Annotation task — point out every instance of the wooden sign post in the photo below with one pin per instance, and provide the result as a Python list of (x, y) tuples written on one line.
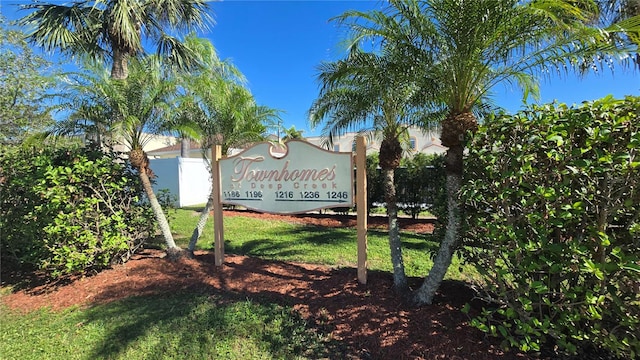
[(361, 205), (218, 223)]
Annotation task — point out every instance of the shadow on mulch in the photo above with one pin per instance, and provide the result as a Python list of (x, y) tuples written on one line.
[(368, 321)]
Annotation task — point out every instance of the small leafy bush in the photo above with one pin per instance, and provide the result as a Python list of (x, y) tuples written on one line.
[(69, 210), (420, 182), (553, 209)]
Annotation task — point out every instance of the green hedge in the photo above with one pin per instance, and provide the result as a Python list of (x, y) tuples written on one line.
[(553, 206), (68, 210), (420, 183)]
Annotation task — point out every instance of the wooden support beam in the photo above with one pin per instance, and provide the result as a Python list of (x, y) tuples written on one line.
[(361, 205), (218, 223)]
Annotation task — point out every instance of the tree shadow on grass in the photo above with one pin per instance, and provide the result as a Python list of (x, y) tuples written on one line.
[(263, 248), (194, 310), (192, 325), (423, 242), (291, 242), (412, 241), (307, 238), (318, 235)]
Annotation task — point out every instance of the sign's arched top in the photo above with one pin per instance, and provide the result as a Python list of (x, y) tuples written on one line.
[(298, 178)]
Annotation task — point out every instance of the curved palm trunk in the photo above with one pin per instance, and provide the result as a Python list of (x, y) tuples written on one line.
[(197, 232), (454, 129), (173, 251), (399, 278), (426, 292)]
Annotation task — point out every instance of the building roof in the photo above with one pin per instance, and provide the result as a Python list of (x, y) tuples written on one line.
[(176, 147)]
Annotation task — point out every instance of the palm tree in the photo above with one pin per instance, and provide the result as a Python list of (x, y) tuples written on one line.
[(115, 30), (223, 111), (622, 20), (87, 97), (292, 133), (205, 78), (366, 92), (234, 120), (132, 111), (618, 10), (465, 48)]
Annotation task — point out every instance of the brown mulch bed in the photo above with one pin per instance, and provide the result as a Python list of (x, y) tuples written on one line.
[(370, 320)]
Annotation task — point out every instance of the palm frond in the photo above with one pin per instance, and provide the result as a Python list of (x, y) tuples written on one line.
[(70, 28)]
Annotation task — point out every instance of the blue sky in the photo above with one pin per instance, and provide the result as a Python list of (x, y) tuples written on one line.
[(278, 45)]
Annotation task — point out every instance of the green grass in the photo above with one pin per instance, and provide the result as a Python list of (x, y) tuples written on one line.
[(277, 240), (186, 326), (197, 326)]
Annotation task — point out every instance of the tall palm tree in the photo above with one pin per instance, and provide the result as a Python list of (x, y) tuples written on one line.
[(366, 92), (214, 100), (131, 110), (618, 10), (116, 29), (468, 47), (89, 113), (210, 77), (233, 120)]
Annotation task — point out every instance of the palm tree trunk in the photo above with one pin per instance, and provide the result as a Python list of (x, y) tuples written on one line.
[(119, 68), (184, 147), (454, 164), (173, 251), (400, 284), (197, 232)]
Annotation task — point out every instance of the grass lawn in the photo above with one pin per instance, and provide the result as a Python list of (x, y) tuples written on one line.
[(184, 326), (193, 326), (279, 240)]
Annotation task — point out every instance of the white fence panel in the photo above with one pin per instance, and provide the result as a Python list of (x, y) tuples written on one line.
[(195, 181), (186, 179)]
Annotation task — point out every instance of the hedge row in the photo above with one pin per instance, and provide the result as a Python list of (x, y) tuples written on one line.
[(553, 209), (68, 210), (419, 183)]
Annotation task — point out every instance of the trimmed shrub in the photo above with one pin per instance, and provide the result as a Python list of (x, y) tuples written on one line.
[(552, 202), (69, 210), (420, 183)]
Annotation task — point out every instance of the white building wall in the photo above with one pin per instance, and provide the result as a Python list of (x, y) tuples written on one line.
[(188, 180), (159, 141), (152, 142), (194, 180)]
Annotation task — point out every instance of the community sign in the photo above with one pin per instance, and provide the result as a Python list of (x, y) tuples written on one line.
[(301, 178)]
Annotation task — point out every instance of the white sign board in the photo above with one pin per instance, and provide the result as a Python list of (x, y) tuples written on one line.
[(306, 178)]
